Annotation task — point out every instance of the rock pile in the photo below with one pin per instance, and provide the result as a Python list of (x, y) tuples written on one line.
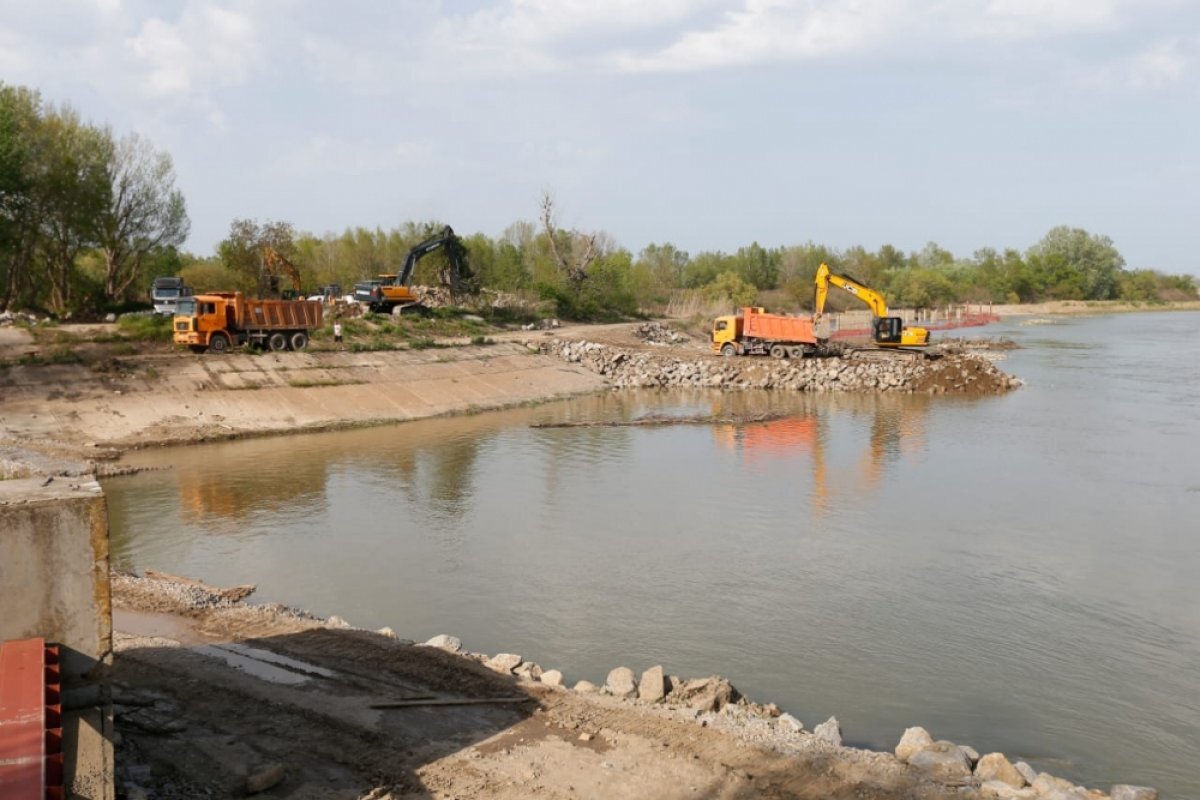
[(962, 373), (16, 317), (654, 332), (996, 776)]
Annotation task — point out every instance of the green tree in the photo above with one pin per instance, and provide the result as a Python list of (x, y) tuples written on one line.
[(242, 250), (758, 266), (145, 213), (1076, 264), (729, 287), (664, 265), (19, 115), (72, 191)]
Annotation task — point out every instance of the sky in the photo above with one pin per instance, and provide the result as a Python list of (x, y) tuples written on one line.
[(709, 124)]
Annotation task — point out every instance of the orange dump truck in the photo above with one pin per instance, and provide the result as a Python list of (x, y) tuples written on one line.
[(221, 320), (755, 332)]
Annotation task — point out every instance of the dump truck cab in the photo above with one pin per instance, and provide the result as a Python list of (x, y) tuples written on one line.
[(727, 329)]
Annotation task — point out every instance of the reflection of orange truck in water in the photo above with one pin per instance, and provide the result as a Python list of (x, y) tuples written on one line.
[(894, 431)]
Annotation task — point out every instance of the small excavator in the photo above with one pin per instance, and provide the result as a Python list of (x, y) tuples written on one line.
[(274, 267), (390, 292), (886, 331)]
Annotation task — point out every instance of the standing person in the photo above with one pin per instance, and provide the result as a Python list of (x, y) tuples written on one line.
[(337, 335)]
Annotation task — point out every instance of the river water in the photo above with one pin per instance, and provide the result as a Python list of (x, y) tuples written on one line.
[(1018, 573)]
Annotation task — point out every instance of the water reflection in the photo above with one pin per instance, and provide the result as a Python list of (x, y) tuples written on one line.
[(897, 431)]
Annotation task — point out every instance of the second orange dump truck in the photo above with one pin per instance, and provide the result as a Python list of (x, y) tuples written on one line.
[(755, 332), (222, 320)]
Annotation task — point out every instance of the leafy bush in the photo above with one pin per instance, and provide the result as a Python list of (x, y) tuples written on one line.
[(147, 328)]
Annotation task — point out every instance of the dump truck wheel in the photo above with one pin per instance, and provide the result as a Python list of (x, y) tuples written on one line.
[(796, 352), (778, 351), (299, 340), (277, 342), (219, 343), (728, 350)]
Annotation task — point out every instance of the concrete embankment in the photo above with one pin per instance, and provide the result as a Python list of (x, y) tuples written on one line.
[(176, 398), (878, 371)]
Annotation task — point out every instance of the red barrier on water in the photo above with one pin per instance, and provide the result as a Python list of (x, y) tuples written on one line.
[(965, 321)]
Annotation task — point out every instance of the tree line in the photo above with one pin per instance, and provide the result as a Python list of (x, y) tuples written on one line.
[(85, 215), (88, 219)]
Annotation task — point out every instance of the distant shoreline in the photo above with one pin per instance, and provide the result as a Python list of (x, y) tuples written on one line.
[(1085, 307)]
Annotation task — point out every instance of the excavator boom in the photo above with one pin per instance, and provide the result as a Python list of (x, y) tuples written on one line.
[(274, 266), (391, 291), (886, 331)]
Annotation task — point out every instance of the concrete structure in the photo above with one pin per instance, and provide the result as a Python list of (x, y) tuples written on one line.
[(54, 584)]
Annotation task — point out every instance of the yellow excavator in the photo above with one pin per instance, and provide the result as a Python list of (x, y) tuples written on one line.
[(886, 331), (274, 267)]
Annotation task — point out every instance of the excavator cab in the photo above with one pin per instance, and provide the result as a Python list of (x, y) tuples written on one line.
[(888, 330)]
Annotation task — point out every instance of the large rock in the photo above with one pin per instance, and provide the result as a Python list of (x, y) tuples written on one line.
[(999, 790), (653, 686), (1123, 791), (829, 731), (504, 663), (704, 694), (528, 670), (264, 778), (552, 677), (444, 641), (621, 683), (995, 767), (586, 687), (790, 723), (943, 760), (1027, 772), (1051, 788), (912, 742)]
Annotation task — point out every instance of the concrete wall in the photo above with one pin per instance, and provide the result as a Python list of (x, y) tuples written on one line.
[(54, 569)]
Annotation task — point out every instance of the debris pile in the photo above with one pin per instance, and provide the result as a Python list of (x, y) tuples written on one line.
[(963, 373), (17, 318), (654, 332)]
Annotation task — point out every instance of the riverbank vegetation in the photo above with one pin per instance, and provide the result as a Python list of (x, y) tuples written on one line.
[(88, 219)]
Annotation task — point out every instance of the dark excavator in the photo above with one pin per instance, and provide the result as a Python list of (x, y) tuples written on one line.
[(390, 292)]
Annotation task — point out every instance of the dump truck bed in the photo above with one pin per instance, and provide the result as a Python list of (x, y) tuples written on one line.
[(777, 328), (280, 314)]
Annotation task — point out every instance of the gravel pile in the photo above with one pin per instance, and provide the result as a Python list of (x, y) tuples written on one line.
[(962, 373)]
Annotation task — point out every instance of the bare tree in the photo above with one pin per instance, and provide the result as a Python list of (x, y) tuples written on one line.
[(145, 212), (575, 269)]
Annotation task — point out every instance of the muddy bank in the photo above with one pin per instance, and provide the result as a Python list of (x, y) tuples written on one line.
[(215, 696)]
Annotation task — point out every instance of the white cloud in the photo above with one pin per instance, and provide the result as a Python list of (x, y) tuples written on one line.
[(1042, 15), (206, 47), (773, 30), (1161, 64), (339, 156)]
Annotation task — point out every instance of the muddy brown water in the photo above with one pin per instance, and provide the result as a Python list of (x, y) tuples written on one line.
[(1018, 573)]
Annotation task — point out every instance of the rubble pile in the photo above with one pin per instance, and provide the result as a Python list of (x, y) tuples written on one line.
[(654, 332), (963, 373)]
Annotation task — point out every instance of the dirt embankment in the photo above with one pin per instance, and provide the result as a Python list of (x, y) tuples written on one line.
[(214, 698), (57, 413)]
